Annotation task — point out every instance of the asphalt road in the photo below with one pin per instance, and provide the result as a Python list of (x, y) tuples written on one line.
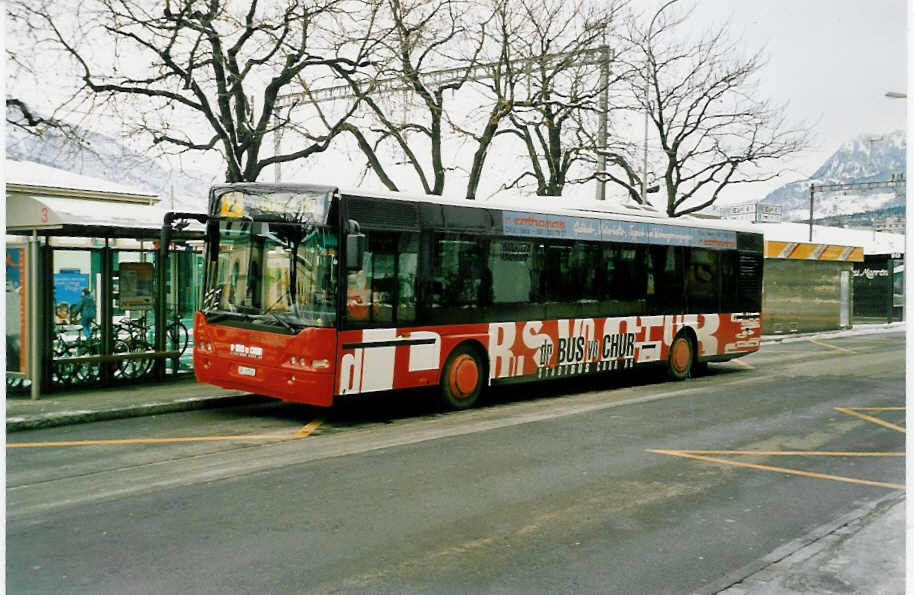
[(620, 484)]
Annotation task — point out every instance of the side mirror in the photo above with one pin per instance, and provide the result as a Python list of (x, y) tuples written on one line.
[(355, 250)]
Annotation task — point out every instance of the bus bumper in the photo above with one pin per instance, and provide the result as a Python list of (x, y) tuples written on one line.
[(300, 386)]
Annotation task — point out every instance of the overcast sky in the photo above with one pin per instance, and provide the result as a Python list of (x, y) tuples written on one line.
[(832, 60)]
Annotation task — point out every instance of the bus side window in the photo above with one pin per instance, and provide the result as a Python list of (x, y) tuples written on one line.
[(385, 289), (459, 283), (666, 272), (729, 277), (702, 282), (407, 266), (383, 284), (358, 290)]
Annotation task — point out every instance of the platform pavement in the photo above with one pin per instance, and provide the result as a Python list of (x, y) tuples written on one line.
[(863, 552), (117, 402)]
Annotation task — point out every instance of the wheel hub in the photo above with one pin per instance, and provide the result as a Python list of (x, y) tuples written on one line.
[(680, 354), (464, 376)]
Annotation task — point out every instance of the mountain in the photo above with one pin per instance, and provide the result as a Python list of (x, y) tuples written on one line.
[(866, 158), (103, 157)]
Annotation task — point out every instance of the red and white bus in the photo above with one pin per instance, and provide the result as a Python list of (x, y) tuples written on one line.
[(312, 292)]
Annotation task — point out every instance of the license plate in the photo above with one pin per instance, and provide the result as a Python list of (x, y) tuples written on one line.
[(246, 371)]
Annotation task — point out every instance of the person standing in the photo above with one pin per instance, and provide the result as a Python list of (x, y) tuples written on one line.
[(86, 311)]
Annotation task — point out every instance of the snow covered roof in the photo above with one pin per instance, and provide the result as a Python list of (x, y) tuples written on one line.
[(57, 202), (872, 242), (34, 178)]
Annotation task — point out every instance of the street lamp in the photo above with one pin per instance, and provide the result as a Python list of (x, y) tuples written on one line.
[(896, 95)]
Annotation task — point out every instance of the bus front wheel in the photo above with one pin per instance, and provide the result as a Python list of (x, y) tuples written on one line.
[(682, 358), (462, 379)]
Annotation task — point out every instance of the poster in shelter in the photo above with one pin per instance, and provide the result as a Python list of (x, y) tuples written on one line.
[(15, 310), (135, 285)]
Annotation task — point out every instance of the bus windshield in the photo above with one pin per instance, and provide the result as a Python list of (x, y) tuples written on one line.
[(276, 274)]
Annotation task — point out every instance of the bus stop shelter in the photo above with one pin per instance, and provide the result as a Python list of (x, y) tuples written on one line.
[(68, 236)]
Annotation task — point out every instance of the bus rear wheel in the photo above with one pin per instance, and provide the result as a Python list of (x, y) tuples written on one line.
[(681, 358), (462, 378)]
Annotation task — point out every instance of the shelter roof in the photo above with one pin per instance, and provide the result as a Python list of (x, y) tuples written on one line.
[(42, 180), (55, 202)]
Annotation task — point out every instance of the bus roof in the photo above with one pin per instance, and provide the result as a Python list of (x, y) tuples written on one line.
[(548, 206), (533, 205)]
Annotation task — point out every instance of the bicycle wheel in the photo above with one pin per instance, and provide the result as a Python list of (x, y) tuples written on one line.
[(63, 372), (130, 368), (122, 368), (86, 372), (177, 336), (142, 366)]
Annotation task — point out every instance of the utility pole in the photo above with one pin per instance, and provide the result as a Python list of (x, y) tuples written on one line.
[(812, 199), (601, 135)]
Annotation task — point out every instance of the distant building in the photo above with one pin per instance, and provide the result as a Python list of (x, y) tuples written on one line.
[(753, 212), (828, 283)]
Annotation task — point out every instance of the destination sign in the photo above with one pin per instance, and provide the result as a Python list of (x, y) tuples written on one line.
[(299, 205), (580, 228)]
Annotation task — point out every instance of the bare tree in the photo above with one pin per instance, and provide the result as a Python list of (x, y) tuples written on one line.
[(536, 83), (20, 113), (422, 60), (563, 47), (190, 62), (705, 107), (500, 79)]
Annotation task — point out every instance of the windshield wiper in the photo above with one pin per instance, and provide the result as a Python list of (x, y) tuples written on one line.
[(281, 321), (212, 316), (276, 316)]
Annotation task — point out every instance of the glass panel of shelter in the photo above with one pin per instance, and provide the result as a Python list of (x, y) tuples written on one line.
[(74, 315), (183, 284), (133, 316)]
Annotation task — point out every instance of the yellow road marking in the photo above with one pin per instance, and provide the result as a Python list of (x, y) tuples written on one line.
[(302, 433), (308, 429), (686, 454), (795, 453), (743, 364), (830, 346), (870, 418), (151, 440)]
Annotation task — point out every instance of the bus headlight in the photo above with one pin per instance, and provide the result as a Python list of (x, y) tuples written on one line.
[(320, 364)]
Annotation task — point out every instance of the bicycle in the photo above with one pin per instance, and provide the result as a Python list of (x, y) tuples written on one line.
[(131, 337), (70, 342), (177, 335)]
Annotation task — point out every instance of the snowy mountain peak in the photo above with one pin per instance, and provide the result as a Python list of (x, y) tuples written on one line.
[(865, 158)]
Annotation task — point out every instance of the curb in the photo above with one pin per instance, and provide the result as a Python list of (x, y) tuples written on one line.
[(64, 418), (851, 332), (782, 552)]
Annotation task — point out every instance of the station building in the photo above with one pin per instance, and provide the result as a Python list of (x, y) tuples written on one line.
[(839, 278)]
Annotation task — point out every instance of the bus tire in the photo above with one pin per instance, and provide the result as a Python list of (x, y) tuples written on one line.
[(462, 378), (682, 357)]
